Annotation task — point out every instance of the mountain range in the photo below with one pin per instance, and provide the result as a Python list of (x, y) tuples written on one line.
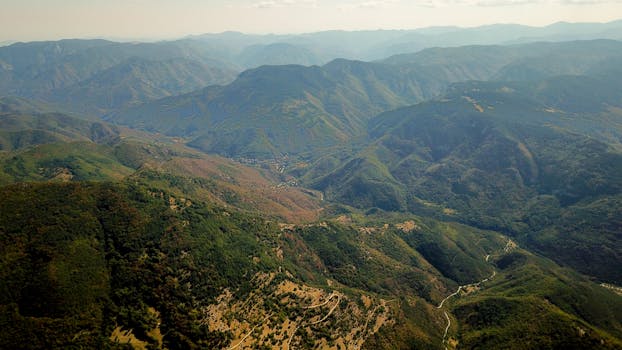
[(441, 188), (95, 77), (259, 114)]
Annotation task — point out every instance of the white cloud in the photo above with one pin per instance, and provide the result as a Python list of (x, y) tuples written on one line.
[(266, 4), (483, 3), (501, 3), (380, 4), (506, 2), (589, 2), (376, 3), (367, 4)]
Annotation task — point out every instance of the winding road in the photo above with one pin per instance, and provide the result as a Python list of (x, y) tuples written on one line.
[(324, 303), (446, 328), (316, 322), (476, 284), (508, 247), (249, 333), (292, 336), (449, 296), (328, 314)]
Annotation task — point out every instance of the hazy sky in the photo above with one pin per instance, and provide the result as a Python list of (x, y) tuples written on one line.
[(52, 19)]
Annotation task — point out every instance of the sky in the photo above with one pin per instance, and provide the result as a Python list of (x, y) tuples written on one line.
[(28, 20)]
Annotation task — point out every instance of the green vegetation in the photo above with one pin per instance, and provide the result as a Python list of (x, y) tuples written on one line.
[(63, 161), (501, 156), (23, 125), (535, 304), (275, 110), (80, 259), (95, 76), (491, 211)]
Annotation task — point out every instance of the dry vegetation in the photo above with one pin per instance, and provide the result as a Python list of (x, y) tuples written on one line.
[(283, 314), (255, 188)]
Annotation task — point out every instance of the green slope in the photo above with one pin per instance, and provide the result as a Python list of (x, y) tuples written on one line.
[(518, 157), (22, 125), (137, 80), (109, 236), (276, 110), (272, 110), (80, 267), (524, 62), (534, 305), (80, 260), (94, 76)]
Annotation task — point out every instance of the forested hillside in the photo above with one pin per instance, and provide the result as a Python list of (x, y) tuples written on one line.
[(233, 191)]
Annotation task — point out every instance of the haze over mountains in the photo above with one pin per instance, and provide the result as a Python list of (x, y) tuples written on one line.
[(124, 74), (257, 114), (374, 45), (441, 188)]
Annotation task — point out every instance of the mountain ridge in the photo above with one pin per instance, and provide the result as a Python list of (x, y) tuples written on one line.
[(336, 100), (461, 197)]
